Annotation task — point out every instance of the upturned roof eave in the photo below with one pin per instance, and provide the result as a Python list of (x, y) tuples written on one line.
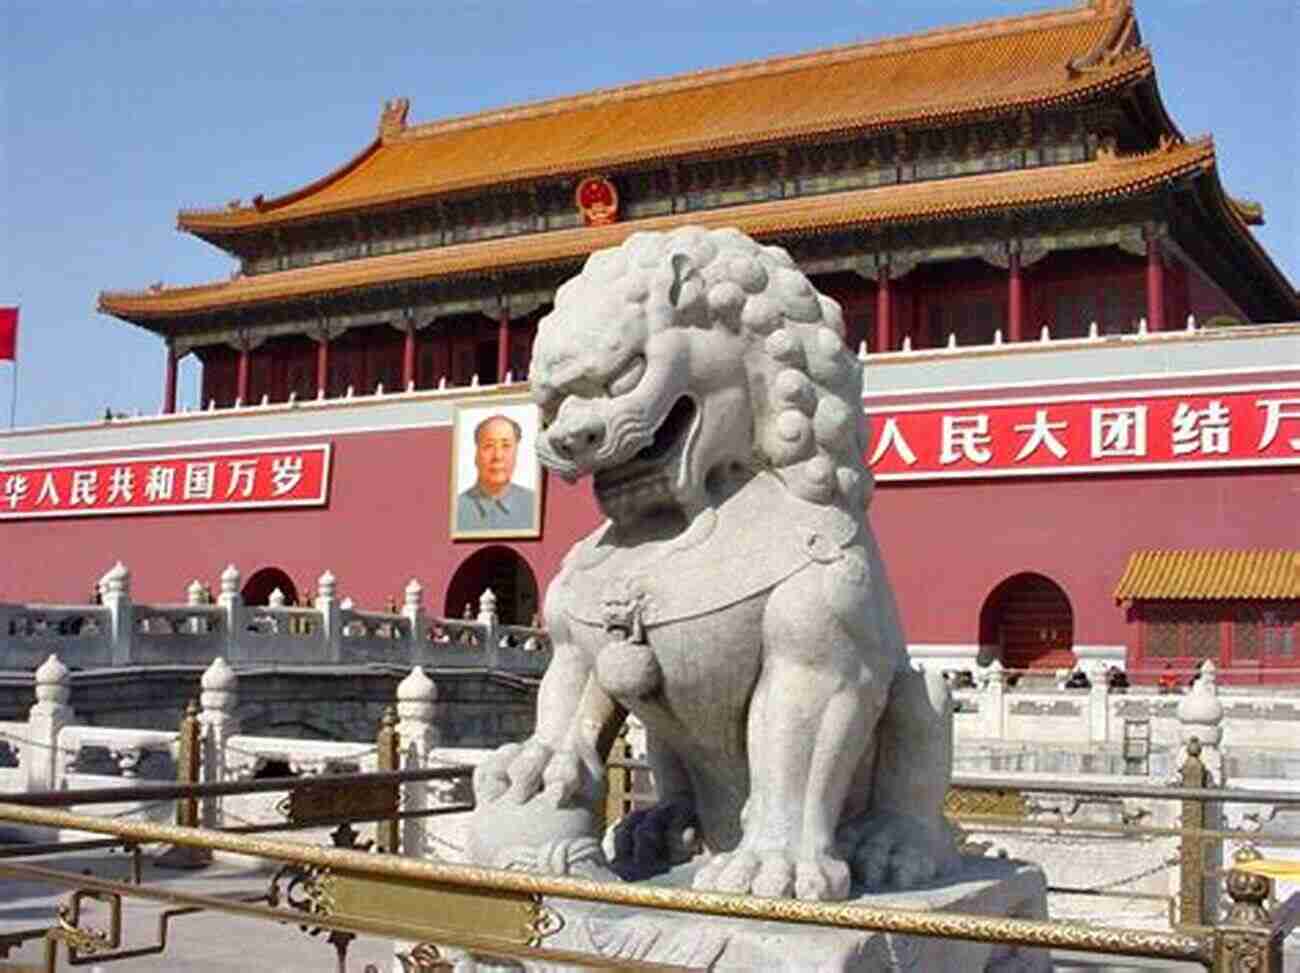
[(212, 225), (1239, 232), (789, 218)]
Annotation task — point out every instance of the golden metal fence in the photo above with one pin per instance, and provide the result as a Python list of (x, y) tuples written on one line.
[(345, 891)]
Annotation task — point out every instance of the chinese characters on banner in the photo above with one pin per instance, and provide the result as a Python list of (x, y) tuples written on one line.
[(279, 477), (1198, 428)]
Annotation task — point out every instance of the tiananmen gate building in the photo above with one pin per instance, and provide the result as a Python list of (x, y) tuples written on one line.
[(1083, 371)]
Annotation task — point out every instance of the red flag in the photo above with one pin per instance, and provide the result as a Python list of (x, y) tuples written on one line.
[(8, 334)]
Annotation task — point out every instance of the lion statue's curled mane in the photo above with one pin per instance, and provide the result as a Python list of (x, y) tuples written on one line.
[(810, 427)]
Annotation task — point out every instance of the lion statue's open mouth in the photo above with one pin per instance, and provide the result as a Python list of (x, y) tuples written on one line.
[(648, 476), (735, 601)]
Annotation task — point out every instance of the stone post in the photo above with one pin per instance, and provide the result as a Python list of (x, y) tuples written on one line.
[(196, 595), (416, 695), (218, 722), (993, 701), (1098, 702), (388, 759), (115, 594), (1201, 765), (413, 612), (233, 602), (40, 757), (1201, 715), (487, 617), (331, 625), (189, 772)]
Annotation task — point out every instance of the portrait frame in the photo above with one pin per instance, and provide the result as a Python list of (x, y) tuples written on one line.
[(469, 507)]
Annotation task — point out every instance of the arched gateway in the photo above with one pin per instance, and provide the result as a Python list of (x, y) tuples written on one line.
[(506, 573), (257, 589), (1027, 623)]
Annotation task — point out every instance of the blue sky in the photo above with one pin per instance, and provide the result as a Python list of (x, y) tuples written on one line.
[(119, 113)]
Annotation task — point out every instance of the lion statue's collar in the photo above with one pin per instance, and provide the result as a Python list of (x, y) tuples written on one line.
[(689, 577)]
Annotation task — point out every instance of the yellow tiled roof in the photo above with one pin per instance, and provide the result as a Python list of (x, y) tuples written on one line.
[(1209, 575), (1051, 57), (1073, 184)]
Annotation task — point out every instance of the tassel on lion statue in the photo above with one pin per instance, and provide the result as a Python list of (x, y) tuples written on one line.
[(734, 601)]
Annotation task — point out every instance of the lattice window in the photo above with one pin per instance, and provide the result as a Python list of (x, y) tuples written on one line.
[(1247, 632), (1279, 631), (1162, 637), (1264, 631), (1201, 633), (1182, 630)]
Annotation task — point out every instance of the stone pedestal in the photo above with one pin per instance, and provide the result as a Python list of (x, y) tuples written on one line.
[(993, 887)]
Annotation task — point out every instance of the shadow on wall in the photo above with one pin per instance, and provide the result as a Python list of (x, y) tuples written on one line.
[(508, 575)]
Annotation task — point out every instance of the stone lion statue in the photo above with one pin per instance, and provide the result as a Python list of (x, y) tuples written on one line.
[(735, 600)]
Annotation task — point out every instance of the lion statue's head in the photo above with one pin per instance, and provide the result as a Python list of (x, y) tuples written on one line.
[(677, 366)]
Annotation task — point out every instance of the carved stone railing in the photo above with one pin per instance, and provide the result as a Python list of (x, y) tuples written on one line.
[(126, 751), (245, 756), (175, 634), (121, 632), (53, 752), (374, 636), (29, 633)]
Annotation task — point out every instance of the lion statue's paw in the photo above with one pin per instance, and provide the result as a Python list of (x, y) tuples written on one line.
[(518, 772), (776, 874), (533, 803), (892, 851)]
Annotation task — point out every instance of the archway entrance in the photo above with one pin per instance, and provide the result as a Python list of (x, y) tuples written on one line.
[(1029, 619), (257, 589), (506, 573)]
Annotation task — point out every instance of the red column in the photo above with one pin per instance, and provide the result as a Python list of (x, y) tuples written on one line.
[(241, 391), (884, 307), (1015, 299), (323, 367), (408, 357), (503, 344), (1155, 286), (169, 383)]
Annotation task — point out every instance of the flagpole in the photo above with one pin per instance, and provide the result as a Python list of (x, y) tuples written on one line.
[(13, 393)]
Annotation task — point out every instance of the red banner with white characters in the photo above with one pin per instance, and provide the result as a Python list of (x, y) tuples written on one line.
[(1194, 428), (295, 476)]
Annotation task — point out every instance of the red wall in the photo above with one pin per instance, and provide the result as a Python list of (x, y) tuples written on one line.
[(386, 522), (948, 545)]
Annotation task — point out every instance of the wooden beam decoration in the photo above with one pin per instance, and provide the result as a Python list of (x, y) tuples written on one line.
[(246, 339), (997, 254)]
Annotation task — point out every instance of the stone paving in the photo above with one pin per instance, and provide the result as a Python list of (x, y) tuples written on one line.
[(199, 943)]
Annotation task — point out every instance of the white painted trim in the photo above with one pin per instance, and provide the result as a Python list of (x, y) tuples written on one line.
[(1085, 397), (209, 440), (468, 392)]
